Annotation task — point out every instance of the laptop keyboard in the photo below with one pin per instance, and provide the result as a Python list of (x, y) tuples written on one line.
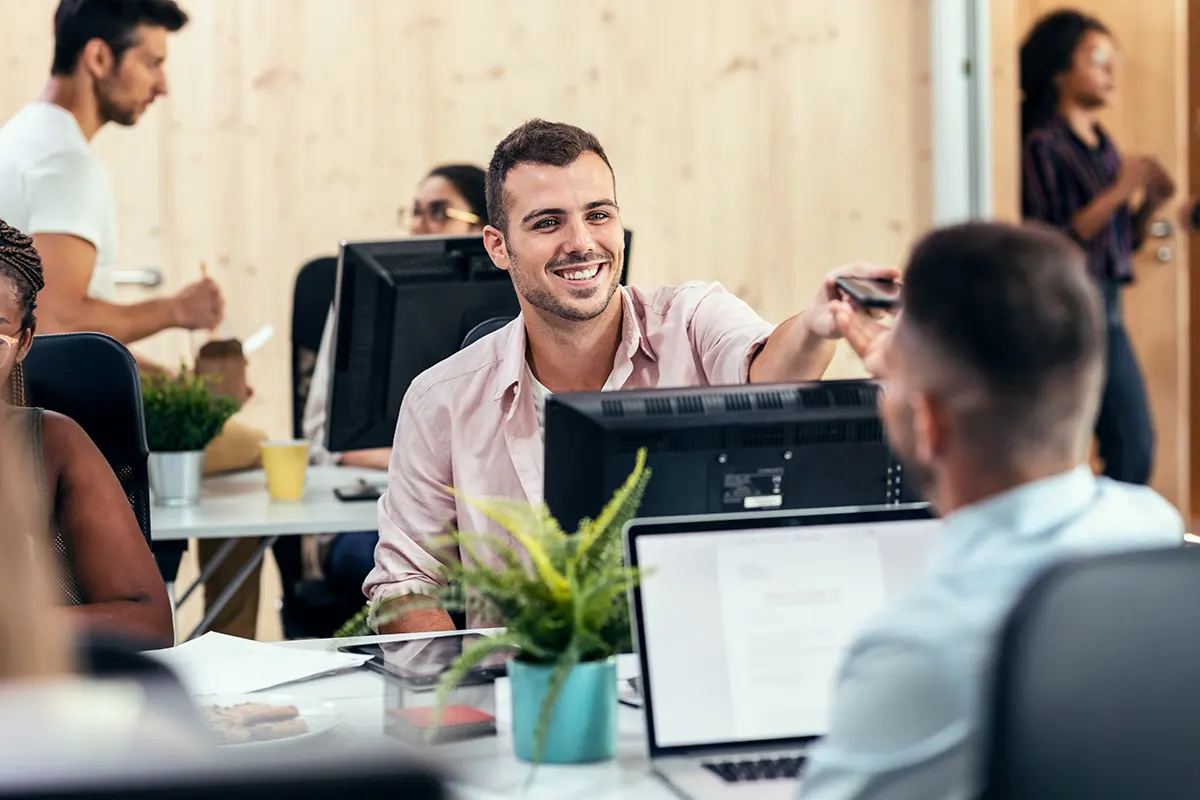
[(762, 769)]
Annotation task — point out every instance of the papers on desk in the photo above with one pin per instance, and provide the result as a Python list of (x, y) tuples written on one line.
[(220, 664)]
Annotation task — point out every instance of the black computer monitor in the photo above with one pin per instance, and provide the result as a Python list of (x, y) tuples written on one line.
[(401, 307), (722, 449)]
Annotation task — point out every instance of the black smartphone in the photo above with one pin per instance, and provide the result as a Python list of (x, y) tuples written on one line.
[(419, 663), (871, 292), (359, 491)]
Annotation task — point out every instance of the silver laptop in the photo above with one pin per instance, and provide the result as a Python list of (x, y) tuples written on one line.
[(741, 625)]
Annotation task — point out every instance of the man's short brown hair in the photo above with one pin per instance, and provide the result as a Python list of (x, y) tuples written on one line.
[(554, 144), (1012, 311)]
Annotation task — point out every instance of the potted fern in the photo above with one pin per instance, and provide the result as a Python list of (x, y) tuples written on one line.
[(182, 417), (566, 609)]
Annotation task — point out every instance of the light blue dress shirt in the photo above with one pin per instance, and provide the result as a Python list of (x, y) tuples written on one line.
[(911, 693)]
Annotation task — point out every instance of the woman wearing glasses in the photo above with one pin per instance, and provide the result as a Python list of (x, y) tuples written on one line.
[(449, 200), (1074, 179), (104, 570)]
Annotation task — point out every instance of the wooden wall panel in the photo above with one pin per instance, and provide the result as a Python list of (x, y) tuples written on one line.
[(754, 143)]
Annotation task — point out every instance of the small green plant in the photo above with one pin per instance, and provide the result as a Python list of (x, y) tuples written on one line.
[(182, 414), (566, 603)]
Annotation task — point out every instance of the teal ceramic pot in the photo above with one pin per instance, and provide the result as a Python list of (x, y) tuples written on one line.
[(583, 727)]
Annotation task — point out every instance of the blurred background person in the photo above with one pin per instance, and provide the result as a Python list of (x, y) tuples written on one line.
[(109, 66), (1074, 178)]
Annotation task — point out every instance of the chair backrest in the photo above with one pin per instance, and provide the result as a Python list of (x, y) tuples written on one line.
[(483, 329), (316, 285), (94, 380), (1097, 684)]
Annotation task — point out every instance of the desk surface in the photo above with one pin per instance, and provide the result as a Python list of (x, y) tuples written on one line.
[(237, 505), (487, 768)]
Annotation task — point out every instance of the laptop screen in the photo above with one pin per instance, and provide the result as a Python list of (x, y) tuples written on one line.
[(743, 631)]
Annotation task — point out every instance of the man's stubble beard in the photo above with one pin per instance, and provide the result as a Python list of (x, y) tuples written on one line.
[(542, 298)]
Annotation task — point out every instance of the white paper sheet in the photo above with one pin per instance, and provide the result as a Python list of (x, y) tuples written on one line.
[(220, 664), (790, 611)]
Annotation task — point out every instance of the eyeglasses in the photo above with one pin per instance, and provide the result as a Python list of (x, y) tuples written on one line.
[(437, 213)]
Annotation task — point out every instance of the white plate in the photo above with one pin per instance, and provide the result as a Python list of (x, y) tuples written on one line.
[(320, 716)]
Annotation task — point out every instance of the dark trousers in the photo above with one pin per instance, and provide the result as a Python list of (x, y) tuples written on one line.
[(349, 558), (1124, 429)]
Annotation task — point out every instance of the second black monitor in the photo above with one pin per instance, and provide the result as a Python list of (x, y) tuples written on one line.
[(401, 307)]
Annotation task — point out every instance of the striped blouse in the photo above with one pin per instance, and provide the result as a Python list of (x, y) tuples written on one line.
[(1060, 176)]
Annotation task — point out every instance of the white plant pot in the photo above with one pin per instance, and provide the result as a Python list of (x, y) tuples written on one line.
[(175, 477)]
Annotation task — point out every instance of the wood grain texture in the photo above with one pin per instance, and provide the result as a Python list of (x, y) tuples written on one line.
[(1004, 43), (758, 144)]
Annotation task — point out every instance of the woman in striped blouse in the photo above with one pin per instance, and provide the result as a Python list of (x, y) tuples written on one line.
[(1074, 179)]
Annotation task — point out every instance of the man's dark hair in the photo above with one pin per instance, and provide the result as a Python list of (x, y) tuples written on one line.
[(77, 22), (554, 144), (1045, 54), (1014, 312)]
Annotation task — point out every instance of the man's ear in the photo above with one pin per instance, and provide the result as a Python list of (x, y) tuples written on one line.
[(97, 59), (931, 428), (493, 242)]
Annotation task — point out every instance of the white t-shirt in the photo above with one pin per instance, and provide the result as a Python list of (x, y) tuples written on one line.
[(540, 393), (52, 182)]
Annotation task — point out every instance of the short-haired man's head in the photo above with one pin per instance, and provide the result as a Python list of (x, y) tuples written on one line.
[(554, 144), (1005, 326), (115, 22)]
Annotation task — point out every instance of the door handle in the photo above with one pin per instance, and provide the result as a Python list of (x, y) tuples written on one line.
[(145, 276), (1161, 229)]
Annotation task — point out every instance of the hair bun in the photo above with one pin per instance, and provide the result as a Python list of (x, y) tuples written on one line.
[(17, 250)]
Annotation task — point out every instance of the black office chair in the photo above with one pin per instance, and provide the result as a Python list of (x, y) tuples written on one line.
[(1097, 684), (94, 380), (483, 329), (315, 287)]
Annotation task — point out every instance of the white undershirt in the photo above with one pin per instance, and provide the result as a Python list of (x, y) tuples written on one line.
[(540, 393)]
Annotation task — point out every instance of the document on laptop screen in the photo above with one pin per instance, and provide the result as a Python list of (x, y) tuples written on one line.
[(789, 611), (745, 630)]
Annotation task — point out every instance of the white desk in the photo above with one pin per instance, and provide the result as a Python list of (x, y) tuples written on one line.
[(486, 767), (238, 506)]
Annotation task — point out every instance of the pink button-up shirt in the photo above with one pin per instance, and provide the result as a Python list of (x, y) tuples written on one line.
[(471, 422)]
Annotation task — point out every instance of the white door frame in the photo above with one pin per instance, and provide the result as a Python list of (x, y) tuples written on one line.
[(960, 101)]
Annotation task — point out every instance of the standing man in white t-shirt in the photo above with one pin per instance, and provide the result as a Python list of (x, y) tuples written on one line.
[(108, 67)]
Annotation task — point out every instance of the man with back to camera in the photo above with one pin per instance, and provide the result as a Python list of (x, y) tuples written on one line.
[(108, 67), (992, 379), (474, 421)]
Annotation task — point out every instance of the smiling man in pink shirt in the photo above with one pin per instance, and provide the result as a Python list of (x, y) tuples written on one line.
[(474, 421)]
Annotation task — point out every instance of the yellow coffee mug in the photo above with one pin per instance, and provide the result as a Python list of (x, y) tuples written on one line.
[(286, 465)]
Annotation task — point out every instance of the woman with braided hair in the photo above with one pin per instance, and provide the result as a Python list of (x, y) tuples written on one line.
[(105, 573)]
